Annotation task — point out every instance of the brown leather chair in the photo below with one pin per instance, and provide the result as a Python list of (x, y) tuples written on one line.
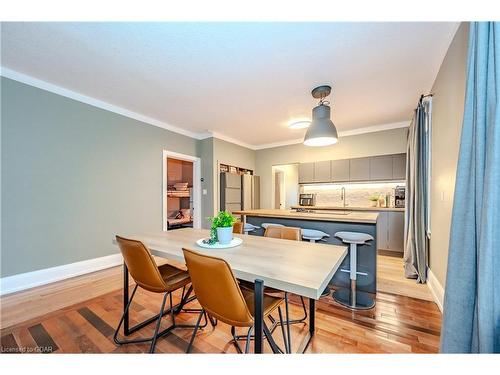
[(153, 278), (220, 296), (285, 233), (238, 227)]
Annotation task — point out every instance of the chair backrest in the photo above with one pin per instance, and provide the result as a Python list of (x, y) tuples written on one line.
[(141, 265), (238, 227), (285, 233), (216, 289)]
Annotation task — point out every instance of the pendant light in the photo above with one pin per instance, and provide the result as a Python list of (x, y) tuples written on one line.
[(322, 131)]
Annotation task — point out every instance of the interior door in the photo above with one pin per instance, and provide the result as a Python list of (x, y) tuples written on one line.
[(278, 177)]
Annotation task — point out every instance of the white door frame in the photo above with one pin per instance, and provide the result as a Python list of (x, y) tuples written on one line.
[(196, 186)]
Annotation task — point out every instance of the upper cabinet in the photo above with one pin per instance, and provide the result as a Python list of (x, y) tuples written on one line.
[(340, 170), (381, 167), (306, 173), (322, 171), (375, 168), (399, 166), (359, 169)]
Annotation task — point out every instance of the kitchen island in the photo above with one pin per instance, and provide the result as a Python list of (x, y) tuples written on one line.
[(330, 223)]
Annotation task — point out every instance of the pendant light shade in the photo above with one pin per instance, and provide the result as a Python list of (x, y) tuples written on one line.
[(322, 131)]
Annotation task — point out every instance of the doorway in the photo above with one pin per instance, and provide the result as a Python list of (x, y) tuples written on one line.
[(285, 186), (181, 191)]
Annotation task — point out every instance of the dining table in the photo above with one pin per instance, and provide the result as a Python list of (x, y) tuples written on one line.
[(297, 267)]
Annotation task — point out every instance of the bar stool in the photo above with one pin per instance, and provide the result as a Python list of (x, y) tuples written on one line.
[(249, 228), (265, 225), (313, 235), (352, 298)]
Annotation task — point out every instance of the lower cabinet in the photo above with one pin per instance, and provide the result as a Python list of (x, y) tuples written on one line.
[(390, 231)]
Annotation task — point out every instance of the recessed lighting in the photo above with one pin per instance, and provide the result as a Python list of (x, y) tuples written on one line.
[(302, 124)]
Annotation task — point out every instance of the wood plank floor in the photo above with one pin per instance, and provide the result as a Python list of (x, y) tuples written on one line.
[(390, 278), (397, 324)]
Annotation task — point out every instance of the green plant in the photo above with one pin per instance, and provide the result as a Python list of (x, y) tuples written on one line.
[(373, 198), (223, 220)]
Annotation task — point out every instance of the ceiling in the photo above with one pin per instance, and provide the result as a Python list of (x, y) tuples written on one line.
[(242, 81)]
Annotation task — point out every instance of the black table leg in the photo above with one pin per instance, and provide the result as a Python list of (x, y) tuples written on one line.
[(258, 315), (312, 317), (126, 329)]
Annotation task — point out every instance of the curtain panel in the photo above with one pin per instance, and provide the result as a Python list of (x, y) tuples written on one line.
[(417, 193), (471, 321)]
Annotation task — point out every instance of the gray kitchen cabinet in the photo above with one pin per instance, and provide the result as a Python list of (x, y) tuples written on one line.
[(383, 230), (306, 172), (322, 171), (340, 170), (390, 230), (399, 166), (359, 169), (396, 231), (381, 167)]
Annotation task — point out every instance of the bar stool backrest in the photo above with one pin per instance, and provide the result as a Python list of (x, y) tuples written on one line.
[(285, 233), (217, 290), (238, 227), (141, 265)]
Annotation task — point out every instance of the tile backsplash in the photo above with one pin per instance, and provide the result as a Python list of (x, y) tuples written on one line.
[(356, 195)]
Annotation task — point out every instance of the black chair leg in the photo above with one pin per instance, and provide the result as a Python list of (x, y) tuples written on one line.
[(289, 336), (125, 311), (157, 328), (195, 330), (285, 341), (249, 335)]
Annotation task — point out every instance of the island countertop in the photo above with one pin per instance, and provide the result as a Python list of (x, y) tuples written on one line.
[(351, 208), (350, 217)]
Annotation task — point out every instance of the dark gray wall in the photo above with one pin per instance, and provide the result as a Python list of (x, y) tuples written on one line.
[(73, 176)]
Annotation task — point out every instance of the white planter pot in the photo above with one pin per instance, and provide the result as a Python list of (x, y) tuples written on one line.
[(224, 235)]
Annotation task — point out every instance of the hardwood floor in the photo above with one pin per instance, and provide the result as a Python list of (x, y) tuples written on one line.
[(397, 324), (390, 278)]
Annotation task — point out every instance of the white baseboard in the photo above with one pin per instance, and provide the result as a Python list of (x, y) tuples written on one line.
[(436, 289), (22, 281)]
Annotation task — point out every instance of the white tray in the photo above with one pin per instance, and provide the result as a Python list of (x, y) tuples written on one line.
[(236, 241)]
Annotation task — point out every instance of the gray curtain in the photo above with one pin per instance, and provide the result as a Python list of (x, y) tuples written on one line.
[(417, 188), (471, 321)]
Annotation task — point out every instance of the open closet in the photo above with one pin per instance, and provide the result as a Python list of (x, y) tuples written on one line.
[(179, 193)]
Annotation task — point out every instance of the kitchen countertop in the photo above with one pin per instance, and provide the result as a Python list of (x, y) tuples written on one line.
[(349, 208), (352, 217)]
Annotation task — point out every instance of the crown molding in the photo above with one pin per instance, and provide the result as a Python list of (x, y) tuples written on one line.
[(47, 86), (232, 140)]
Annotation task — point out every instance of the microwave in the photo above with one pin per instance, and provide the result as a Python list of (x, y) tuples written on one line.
[(307, 199)]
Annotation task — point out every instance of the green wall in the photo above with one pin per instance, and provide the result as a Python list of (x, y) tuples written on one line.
[(73, 176)]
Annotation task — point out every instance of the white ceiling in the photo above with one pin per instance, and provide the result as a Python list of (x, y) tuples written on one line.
[(241, 80)]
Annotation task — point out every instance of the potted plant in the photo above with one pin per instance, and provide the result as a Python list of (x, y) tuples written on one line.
[(374, 200), (222, 227)]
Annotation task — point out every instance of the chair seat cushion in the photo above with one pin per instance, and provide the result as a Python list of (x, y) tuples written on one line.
[(174, 277), (270, 303), (353, 237), (251, 286)]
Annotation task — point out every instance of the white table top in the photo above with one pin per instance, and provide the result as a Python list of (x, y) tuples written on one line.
[(298, 267)]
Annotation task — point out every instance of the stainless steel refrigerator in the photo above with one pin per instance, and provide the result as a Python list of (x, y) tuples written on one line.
[(239, 192)]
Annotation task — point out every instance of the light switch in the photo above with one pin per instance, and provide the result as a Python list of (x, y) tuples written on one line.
[(204, 191), (442, 196)]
